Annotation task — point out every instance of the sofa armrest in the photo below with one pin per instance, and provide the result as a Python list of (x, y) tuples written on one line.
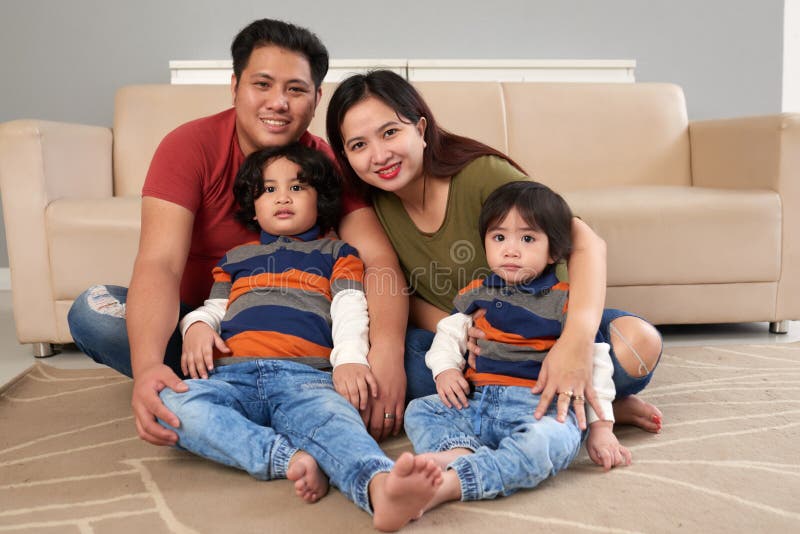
[(57, 159), (758, 153), (40, 162), (747, 153)]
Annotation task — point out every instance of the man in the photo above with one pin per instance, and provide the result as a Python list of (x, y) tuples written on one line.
[(187, 224)]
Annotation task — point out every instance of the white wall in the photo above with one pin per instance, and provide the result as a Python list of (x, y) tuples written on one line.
[(63, 60), (791, 57)]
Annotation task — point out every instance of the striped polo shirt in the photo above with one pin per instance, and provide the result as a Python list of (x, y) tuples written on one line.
[(279, 293), (521, 324)]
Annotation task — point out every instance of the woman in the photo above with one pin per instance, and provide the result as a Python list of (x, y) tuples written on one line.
[(428, 186)]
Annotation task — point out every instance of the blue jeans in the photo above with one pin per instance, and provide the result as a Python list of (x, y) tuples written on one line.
[(512, 450), (98, 327), (421, 384), (255, 415)]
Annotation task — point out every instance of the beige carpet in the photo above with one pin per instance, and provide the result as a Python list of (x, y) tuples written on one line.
[(728, 460)]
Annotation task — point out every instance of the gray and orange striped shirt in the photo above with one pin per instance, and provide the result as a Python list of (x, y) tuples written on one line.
[(281, 296)]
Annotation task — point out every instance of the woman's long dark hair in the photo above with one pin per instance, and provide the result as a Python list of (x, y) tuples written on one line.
[(446, 153)]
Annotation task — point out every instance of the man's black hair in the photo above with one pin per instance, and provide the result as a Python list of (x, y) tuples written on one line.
[(285, 35)]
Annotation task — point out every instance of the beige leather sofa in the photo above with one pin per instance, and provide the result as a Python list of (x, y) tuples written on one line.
[(698, 216)]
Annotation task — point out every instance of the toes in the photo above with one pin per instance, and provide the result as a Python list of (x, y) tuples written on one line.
[(653, 424), (405, 464)]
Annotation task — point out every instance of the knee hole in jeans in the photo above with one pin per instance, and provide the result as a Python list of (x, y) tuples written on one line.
[(636, 343), (101, 301)]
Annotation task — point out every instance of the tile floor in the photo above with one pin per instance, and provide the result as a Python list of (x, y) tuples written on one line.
[(15, 358)]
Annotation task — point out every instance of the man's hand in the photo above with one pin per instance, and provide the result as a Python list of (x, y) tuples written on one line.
[(453, 388), (567, 369), (197, 358), (384, 413), (604, 448), (147, 405), (355, 382)]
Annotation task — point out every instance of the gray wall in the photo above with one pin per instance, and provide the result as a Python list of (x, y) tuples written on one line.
[(63, 60)]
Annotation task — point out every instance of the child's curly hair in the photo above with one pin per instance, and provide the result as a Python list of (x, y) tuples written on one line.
[(316, 170)]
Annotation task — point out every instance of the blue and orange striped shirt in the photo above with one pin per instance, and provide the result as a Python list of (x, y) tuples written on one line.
[(521, 323), (279, 293)]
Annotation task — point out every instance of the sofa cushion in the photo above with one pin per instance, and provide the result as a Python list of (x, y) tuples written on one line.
[(92, 242), (661, 235)]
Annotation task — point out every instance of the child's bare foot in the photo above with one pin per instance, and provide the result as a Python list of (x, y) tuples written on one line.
[(402, 494), (444, 458), (310, 483), (632, 410)]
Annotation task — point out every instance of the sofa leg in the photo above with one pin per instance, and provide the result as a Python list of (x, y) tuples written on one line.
[(779, 327), (42, 350)]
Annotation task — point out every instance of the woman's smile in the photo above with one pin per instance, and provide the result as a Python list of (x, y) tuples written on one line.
[(390, 171)]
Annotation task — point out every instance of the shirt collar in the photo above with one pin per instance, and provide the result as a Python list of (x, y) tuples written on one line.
[(309, 235), (544, 281)]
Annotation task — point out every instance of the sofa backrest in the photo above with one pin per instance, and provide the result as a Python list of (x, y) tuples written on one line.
[(574, 136), (144, 114), (568, 135)]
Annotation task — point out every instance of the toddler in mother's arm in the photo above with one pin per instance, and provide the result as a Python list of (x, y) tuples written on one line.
[(481, 427)]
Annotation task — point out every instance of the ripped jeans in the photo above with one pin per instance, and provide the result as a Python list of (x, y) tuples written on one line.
[(98, 327)]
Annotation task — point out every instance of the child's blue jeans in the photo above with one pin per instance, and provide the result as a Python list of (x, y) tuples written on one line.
[(255, 415), (512, 449)]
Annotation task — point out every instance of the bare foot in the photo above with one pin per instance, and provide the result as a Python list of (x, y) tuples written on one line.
[(450, 490), (632, 410), (310, 483), (444, 458), (403, 493)]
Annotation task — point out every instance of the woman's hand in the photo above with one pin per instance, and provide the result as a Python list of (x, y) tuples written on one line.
[(567, 373), (197, 358), (355, 382), (473, 335)]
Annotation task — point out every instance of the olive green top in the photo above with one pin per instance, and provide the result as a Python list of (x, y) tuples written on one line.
[(438, 264)]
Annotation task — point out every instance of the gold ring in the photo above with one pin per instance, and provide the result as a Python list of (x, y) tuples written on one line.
[(388, 416), (579, 398), (567, 393)]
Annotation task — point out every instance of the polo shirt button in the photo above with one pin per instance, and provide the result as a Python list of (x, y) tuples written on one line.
[(498, 305)]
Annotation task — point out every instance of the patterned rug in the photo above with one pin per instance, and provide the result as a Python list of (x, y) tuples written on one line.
[(727, 461)]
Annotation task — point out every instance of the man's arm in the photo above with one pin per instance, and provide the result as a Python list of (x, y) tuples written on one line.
[(388, 315), (152, 312)]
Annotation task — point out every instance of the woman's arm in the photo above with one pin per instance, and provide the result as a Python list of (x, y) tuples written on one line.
[(384, 285), (568, 366), (424, 314)]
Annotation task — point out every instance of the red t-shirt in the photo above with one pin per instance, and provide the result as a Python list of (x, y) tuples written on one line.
[(195, 167)]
